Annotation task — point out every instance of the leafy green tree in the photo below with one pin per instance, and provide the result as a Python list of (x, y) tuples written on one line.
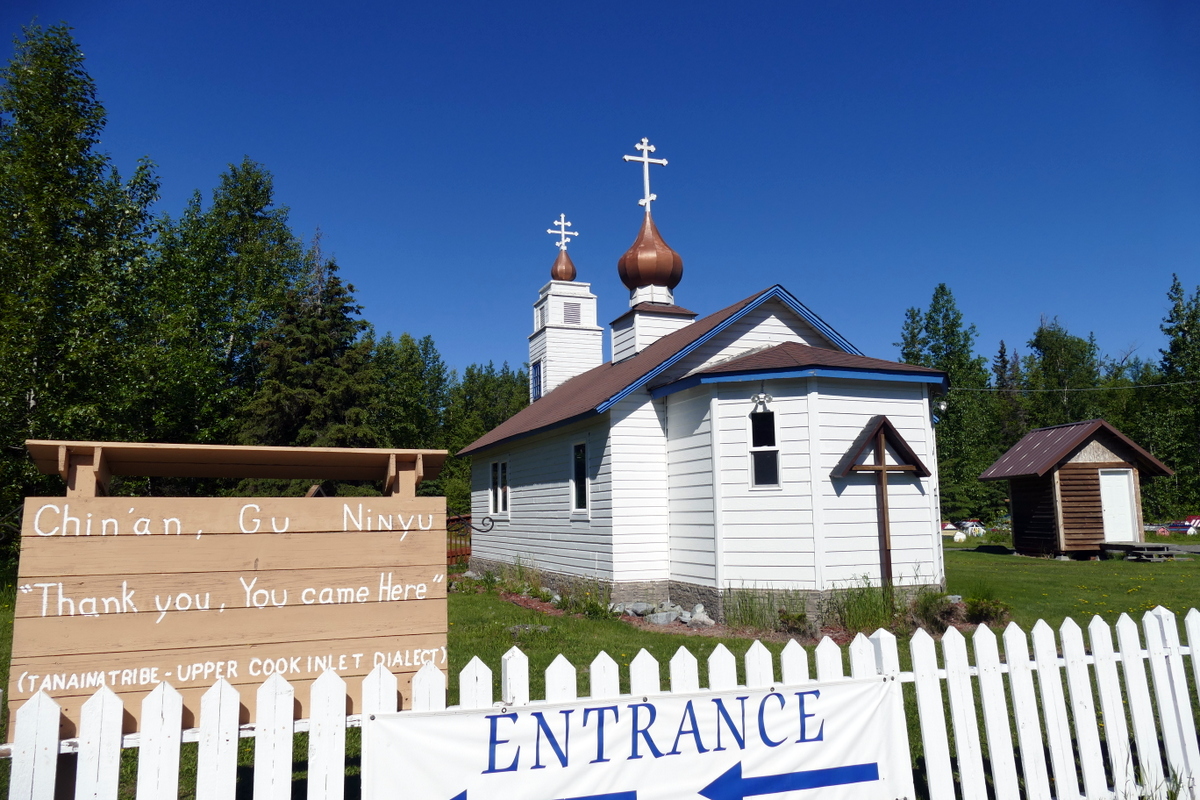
[(73, 261), (938, 338), (1060, 371), (221, 283), (416, 385), (478, 401), (318, 386)]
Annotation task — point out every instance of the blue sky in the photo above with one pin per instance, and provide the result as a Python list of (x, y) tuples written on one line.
[(1042, 159)]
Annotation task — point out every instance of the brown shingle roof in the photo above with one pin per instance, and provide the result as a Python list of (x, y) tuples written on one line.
[(584, 394), (794, 355), (1040, 450)]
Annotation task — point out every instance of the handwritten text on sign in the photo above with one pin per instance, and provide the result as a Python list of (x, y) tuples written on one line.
[(840, 740), (130, 592)]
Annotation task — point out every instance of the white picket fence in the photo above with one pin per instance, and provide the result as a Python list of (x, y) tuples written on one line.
[(1162, 762)]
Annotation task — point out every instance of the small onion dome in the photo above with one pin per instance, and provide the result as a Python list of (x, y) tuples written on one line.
[(564, 268), (650, 261)]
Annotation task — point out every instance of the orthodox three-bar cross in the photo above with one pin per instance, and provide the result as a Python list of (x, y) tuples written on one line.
[(646, 160), (562, 233)]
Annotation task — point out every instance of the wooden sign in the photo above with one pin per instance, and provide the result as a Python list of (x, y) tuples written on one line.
[(130, 592)]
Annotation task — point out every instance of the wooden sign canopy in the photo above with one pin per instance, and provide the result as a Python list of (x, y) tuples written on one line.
[(130, 592), (878, 434), (88, 467)]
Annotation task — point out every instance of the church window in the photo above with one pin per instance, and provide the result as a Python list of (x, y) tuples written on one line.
[(764, 453), (541, 316), (498, 496), (571, 313), (535, 381), (579, 479)]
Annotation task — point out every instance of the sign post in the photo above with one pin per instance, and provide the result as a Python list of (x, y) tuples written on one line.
[(844, 739)]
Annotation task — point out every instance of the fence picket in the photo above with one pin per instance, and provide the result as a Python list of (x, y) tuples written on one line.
[(829, 660), (1141, 710), (35, 751), (327, 738), (380, 691), (96, 775), (561, 680), (963, 717), (1191, 624), (932, 715), (514, 678), (429, 689), (605, 677), (685, 671), (273, 740), (1003, 766), (887, 655), (760, 666), (475, 685), (1175, 707), (1108, 688), (1083, 710), (1178, 673), (158, 758), (643, 674), (216, 770), (1054, 709), (862, 658), (793, 663), (722, 669), (1025, 711)]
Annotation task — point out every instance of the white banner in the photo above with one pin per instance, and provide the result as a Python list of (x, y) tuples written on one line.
[(818, 741)]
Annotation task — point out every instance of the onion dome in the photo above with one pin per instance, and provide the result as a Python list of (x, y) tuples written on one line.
[(564, 268), (650, 261)]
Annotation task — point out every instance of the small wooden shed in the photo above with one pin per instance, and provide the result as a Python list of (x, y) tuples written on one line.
[(1074, 487)]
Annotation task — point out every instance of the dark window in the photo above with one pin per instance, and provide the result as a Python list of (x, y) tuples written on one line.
[(499, 492), (766, 467), (764, 457), (762, 429), (579, 477), (535, 380)]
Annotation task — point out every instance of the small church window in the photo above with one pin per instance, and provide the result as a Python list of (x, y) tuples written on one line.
[(571, 313), (535, 381), (498, 499), (579, 481), (764, 454)]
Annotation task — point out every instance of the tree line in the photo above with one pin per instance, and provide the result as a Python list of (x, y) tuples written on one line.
[(219, 325), (1059, 378)]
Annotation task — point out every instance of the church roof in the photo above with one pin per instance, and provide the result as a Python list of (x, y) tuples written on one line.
[(787, 358), (599, 389)]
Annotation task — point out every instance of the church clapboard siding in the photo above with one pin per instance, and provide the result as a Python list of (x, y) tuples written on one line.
[(715, 442)]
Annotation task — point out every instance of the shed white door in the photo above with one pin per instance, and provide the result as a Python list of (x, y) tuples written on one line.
[(1117, 505)]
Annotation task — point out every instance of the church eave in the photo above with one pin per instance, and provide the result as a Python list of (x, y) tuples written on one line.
[(796, 372)]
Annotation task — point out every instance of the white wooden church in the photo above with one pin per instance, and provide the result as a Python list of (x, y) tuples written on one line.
[(754, 447)]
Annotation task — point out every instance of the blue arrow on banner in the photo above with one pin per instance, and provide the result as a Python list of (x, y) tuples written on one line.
[(613, 796), (732, 786)]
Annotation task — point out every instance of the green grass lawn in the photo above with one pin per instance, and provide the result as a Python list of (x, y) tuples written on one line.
[(1038, 588)]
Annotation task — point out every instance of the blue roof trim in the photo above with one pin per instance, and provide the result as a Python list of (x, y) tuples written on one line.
[(794, 372), (776, 292)]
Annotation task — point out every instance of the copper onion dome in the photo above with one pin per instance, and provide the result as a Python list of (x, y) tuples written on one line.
[(564, 268), (650, 261)]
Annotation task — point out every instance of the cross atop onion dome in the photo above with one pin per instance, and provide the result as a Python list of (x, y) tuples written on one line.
[(650, 261), (563, 268)]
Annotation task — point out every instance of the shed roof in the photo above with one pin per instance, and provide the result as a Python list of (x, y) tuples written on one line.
[(1042, 449)]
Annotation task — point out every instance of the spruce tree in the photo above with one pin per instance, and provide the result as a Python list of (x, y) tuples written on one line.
[(318, 386), (938, 338)]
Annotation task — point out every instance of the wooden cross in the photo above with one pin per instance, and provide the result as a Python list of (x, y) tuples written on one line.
[(878, 434), (562, 232), (646, 160)]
